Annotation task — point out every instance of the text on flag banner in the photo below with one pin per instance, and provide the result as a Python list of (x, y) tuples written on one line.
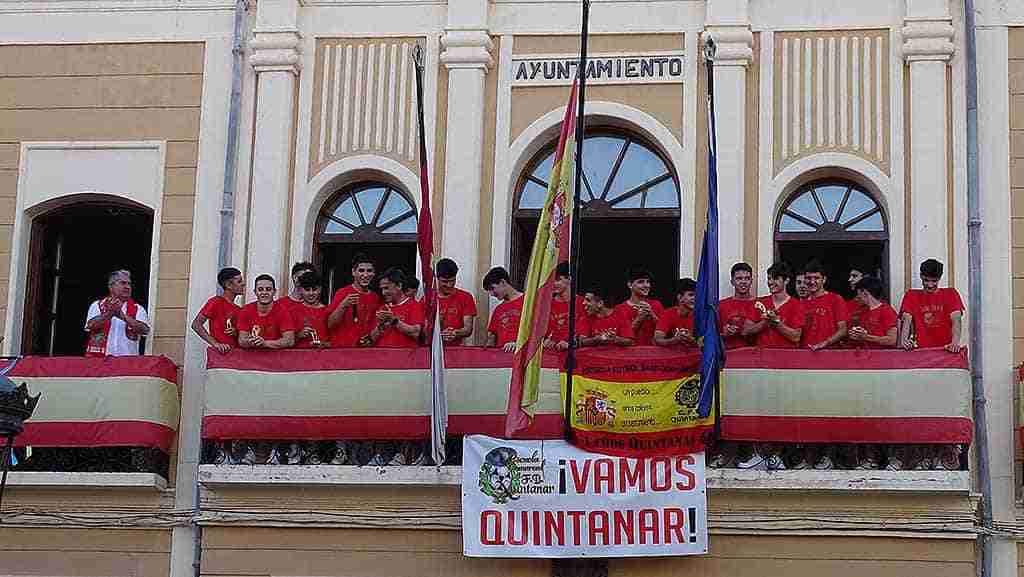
[(551, 70)]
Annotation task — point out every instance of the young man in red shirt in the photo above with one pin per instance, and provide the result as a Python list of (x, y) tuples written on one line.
[(641, 310), (456, 307), (351, 312), (801, 286), (558, 317), (412, 286), (877, 321), (826, 322), (675, 325), (602, 325), (310, 317), (935, 314), (503, 328), (221, 312), (292, 302), (781, 320), (854, 306), (400, 318), (735, 311), (265, 324)]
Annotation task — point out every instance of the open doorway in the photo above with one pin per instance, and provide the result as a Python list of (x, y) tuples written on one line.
[(838, 257), (73, 250), (335, 260)]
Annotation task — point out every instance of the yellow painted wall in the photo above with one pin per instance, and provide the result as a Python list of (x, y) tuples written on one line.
[(85, 552), (1017, 185)]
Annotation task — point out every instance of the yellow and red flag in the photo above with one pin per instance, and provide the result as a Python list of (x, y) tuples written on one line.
[(550, 247)]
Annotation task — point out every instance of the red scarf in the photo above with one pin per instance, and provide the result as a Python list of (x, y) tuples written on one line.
[(96, 343)]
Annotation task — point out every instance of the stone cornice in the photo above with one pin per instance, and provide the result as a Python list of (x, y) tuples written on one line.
[(467, 49), (733, 44), (275, 50), (928, 39)]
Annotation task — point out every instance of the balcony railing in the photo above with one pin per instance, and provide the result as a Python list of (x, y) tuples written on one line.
[(370, 406)]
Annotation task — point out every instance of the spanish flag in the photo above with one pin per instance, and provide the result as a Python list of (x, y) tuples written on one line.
[(550, 247)]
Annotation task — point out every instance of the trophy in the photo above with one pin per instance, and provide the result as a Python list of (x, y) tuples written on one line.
[(256, 331), (314, 336), (228, 324)]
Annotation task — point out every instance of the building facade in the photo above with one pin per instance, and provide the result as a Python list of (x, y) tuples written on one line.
[(841, 134)]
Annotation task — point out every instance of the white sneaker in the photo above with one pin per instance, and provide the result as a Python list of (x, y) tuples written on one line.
[(824, 463), (340, 453), (948, 459), (278, 455), (220, 456), (314, 456), (775, 463), (925, 464), (894, 464), (755, 462), (721, 460), (800, 465), (867, 463)]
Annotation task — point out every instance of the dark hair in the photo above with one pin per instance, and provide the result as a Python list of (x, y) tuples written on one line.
[(394, 275), (227, 274), (738, 267), (872, 285), (598, 291), (638, 272), (686, 285), (495, 276), (310, 279), (360, 258), (814, 265), (301, 266), (931, 268), (264, 277), (859, 267), (563, 270), (780, 270), (412, 283), (446, 268)]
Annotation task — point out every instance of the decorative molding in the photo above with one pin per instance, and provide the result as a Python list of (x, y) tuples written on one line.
[(467, 49), (275, 50), (733, 44), (928, 39), (86, 481)]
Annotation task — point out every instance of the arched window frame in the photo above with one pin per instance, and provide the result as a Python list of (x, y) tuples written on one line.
[(831, 229), (369, 229)]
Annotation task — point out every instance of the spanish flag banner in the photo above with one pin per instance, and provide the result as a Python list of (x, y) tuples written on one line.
[(638, 402), (550, 247)]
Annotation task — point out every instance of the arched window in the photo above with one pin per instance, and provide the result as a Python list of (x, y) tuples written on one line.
[(630, 211), (371, 217), (837, 222)]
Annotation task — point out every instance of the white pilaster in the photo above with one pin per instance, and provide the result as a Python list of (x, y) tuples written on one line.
[(927, 48), (275, 58), (467, 56), (728, 24)]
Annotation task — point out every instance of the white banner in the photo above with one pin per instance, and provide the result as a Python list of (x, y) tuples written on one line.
[(550, 499)]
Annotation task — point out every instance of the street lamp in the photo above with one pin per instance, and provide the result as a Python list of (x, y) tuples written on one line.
[(16, 406)]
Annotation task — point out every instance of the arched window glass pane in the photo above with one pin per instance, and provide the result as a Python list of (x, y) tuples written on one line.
[(368, 201), (407, 225), (663, 195), (599, 156), (858, 204), (543, 170), (355, 212), (395, 206), (335, 227), (533, 195), (872, 223), (639, 166), (790, 224), (831, 198), (805, 207), (631, 202), (347, 212)]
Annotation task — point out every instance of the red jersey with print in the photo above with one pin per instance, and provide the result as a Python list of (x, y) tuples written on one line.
[(357, 323), (220, 312), (823, 314), (452, 310), (877, 322), (644, 334), (615, 323), (558, 319), (733, 311), (931, 313), (505, 321), (305, 316), (791, 313), (672, 320), (270, 327), (409, 312)]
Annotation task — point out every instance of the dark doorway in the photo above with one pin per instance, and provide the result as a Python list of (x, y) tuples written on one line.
[(73, 250), (335, 261), (838, 257)]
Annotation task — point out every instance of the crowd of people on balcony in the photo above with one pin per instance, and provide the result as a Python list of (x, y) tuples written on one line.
[(383, 311)]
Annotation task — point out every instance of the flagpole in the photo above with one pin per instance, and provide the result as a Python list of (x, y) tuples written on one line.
[(574, 226), (709, 61)]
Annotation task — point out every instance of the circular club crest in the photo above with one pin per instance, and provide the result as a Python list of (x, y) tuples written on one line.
[(499, 475), (688, 392)]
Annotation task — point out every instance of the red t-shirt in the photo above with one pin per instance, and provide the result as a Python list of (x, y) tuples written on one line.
[(734, 311), (219, 311), (409, 312), (271, 326), (877, 322), (823, 316), (791, 313), (348, 332), (672, 320), (645, 334), (453, 308), (315, 318), (505, 321), (855, 311), (558, 319), (617, 323), (931, 312)]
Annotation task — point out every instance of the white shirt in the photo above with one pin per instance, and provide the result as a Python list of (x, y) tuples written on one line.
[(118, 343)]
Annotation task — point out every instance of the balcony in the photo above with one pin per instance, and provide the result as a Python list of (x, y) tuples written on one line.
[(100, 422), (277, 413)]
